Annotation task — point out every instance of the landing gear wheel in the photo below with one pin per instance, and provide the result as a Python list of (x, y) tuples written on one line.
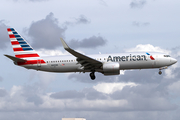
[(160, 72), (92, 75)]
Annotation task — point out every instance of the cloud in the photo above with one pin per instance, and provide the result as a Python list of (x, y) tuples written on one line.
[(4, 37), (32, 0), (45, 52), (76, 21), (109, 88), (142, 91), (1, 79), (38, 0), (91, 42), (82, 20), (147, 48), (71, 94), (86, 93), (32, 94), (84, 78), (46, 33), (3, 92), (102, 2), (146, 97), (138, 3), (174, 87), (140, 24)]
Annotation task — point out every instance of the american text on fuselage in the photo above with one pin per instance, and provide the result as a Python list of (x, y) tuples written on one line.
[(126, 58)]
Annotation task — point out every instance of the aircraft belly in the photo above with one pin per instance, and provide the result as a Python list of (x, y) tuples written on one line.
[(135, 65)]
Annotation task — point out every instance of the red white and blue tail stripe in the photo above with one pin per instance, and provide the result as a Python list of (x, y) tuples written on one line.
[(22, 49)]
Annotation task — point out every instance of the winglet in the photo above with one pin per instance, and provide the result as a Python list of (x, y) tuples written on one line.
[(64, 44)]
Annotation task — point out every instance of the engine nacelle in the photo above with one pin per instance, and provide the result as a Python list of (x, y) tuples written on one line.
[(111, 68)]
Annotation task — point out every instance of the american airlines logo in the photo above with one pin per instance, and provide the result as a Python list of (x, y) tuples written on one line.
[(126, 58)]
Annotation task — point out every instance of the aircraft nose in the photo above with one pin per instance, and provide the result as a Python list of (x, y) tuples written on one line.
[(173, 61)]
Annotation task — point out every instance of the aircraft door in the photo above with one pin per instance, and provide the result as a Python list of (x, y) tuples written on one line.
[(39, 63), (155, 62)]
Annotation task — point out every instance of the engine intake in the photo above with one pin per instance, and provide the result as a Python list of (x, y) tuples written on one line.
[(111, 68)]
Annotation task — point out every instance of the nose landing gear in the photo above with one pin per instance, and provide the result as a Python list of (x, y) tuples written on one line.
[(160, 72), (92, 76)]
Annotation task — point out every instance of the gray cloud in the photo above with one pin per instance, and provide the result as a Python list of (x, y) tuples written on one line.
[(1, 79), (102, 2), (71, 94), (138, 3), (81, 20), (4, 37), (32, 0), (140, 24), (92, 94), (3, 93), (38, 0), (176, 49), (86, 93), (46, 33), (150, 97), (32, 94), (92, 42), (146, 97), (84, 77)]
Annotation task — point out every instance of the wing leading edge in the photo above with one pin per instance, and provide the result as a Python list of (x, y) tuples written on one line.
[(86, 61)]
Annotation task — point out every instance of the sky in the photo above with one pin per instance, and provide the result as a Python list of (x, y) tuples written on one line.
[(91, 27)]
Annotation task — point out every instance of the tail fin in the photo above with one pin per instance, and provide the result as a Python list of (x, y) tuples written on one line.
[(20, 46), (22, 50)]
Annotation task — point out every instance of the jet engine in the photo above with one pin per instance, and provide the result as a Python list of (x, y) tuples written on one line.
[(111, 68)]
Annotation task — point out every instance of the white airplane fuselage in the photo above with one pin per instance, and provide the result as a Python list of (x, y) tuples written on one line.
[(68, 63), (107, 64)]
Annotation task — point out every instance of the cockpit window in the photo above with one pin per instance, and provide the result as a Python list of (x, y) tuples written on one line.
[(166, 55)]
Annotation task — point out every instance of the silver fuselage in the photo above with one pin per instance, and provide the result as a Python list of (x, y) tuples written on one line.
[(68, 63)]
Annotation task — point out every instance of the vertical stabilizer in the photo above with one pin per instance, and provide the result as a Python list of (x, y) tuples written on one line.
[(22, 49), (20, 46)]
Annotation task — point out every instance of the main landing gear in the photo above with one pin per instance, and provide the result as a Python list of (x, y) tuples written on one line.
[(92, 75)]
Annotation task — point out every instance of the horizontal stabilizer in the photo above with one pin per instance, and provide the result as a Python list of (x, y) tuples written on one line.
[(15, 59)]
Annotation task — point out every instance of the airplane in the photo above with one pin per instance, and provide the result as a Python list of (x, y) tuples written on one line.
[(107, 64)]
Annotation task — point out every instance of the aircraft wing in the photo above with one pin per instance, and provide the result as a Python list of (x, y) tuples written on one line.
[(15, 59), (86, 61)]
